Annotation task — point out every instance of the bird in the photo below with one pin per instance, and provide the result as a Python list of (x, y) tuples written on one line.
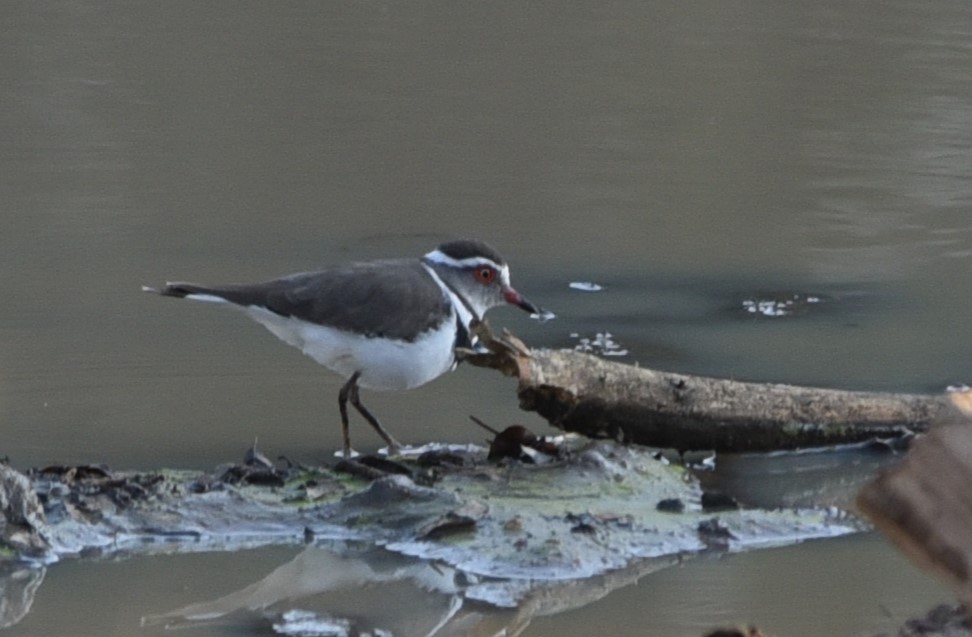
[(390, 324)]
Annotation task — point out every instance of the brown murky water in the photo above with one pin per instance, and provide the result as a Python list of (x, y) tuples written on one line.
[(694, 159)]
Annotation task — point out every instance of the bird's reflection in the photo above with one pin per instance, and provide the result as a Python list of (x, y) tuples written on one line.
[(344, 588)]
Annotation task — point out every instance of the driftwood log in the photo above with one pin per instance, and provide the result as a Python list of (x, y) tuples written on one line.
[(582, 393)]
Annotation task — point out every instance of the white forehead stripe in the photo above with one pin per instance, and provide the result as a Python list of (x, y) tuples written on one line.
[(437, 256)]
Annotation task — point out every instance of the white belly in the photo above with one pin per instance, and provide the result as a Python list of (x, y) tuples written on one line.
[(385, 364)]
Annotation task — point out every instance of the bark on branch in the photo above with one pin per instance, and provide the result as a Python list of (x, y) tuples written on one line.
[(598, 398)]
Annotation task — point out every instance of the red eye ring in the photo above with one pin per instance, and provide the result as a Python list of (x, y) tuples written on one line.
[(485, 274)]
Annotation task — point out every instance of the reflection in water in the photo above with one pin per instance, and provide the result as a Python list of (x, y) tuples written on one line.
[(320, 591), (814, 477), (18, 585)]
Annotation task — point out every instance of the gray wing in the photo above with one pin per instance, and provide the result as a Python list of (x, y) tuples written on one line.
[(363, 297)]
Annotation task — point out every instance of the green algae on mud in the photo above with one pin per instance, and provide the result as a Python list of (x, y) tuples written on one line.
[(593, 511)]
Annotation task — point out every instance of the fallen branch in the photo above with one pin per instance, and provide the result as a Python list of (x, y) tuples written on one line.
[(582, 393)]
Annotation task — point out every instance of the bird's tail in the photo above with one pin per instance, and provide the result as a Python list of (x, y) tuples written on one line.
[(187, 291)]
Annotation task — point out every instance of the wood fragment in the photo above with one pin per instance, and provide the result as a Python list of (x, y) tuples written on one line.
[(924, 504)]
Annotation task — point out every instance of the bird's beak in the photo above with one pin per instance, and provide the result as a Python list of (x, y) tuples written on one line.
[(513, 298)]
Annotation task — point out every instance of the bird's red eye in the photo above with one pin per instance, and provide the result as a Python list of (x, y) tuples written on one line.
[(485, 274)]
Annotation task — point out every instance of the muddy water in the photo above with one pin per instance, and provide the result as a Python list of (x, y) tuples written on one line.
[(695, 160)]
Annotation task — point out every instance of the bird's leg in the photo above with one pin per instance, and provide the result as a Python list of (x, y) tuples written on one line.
[(350, 392), (343, 406), (393, 445)]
